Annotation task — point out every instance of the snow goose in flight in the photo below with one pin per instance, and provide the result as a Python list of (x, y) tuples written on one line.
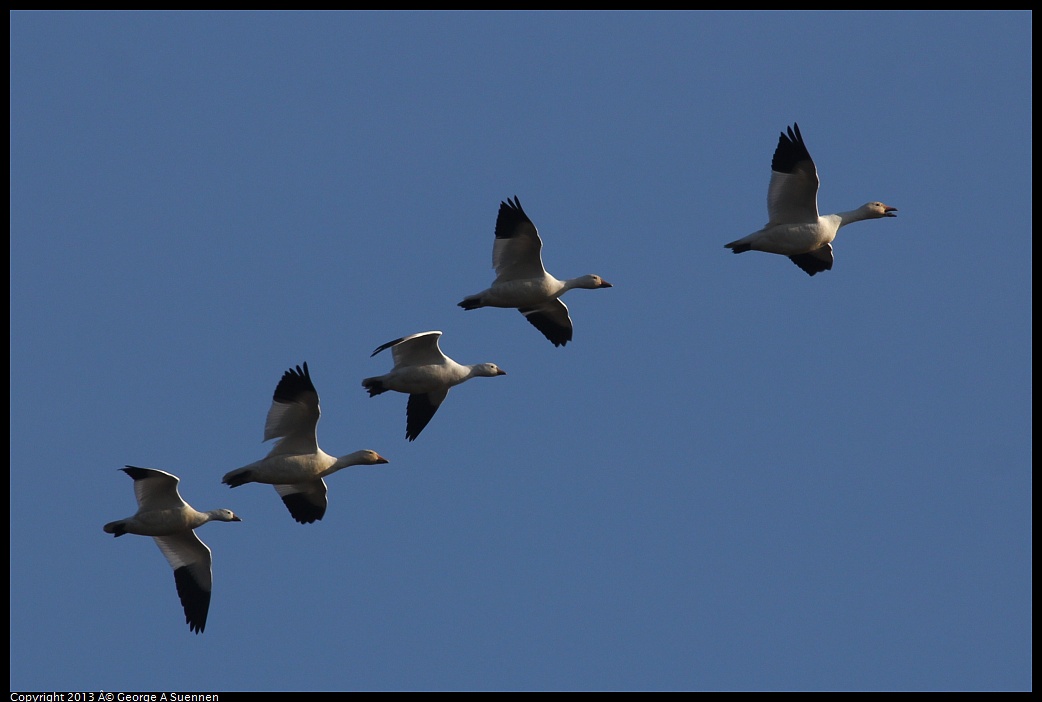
[(426, 374), (522, 282), (168, 519), (296, 465), (795, 228)]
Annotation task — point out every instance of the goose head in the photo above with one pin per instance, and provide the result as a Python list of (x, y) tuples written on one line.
[(365, 457), (368, 457), (874, 210), (592, 282), (488, 370)]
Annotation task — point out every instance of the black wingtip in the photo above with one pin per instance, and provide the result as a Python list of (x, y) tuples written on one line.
[(790, 150), (511, 217), (293, 382), (419, 411), (388, 345), (194, 599), (302, 509), (811, 264), (136, 473), (555, 333)]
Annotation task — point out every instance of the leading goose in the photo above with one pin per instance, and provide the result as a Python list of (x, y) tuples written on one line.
[(795, 228), (425, 373), (522, 282), (168, 519), (296, 465)]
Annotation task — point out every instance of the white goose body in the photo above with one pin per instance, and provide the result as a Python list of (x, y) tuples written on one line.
[(520, 293), (521, 280), (170, 521), (164, 522), (296, 465), (423, 372), (275, 469), (795, 228)]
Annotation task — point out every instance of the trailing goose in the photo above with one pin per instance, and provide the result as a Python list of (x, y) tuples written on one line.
[(795, 228), (168, 519), (423, 372), (522, 282), (296, 465)]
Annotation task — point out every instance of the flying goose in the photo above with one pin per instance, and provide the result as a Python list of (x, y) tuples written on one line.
[(426, 374), (522, 282), (296, 465), (168, 519), (795, 228)]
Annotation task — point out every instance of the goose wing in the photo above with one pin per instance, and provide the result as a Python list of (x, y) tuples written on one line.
[(792, 196), (420, 410), (415, 350), (294, 413), (306, 502), (155, 490), (815, 261), (552, 320), (516, 252), (191, 560)]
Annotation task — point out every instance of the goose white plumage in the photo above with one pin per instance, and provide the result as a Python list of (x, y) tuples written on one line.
[(296, 465), (521, 280), (170, 521), (795, 228), (425, 373)]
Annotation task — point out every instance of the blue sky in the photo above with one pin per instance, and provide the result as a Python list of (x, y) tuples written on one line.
[(735, 477)]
